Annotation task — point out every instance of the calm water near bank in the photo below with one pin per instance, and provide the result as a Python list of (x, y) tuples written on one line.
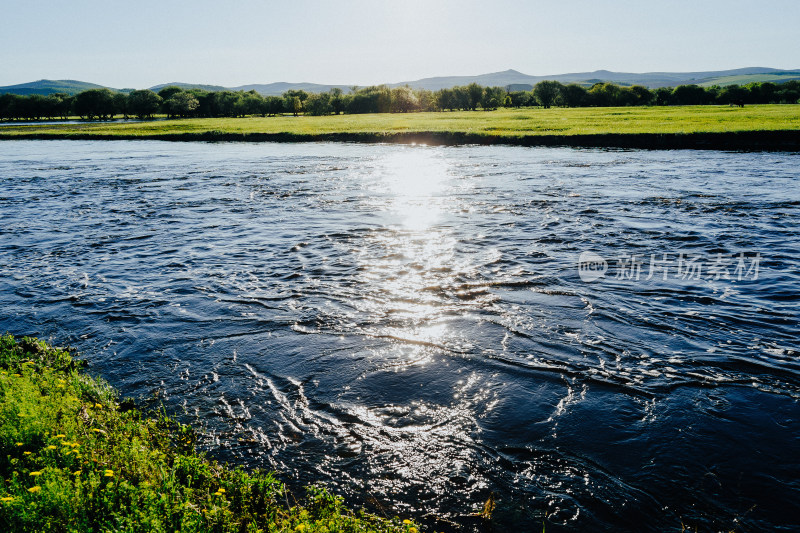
[(410, 323)]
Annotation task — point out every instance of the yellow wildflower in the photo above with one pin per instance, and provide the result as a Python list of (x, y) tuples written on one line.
[(76, 473), (406, 521), (6, 499), (19, 444), (218, 493), (51, 447), (96, 430), (26, 453), (59, 436), (17, 375), (37, 488), (39, 473), (300, 527), (109, 473), (221, 490), (99, 405), (412, 530)]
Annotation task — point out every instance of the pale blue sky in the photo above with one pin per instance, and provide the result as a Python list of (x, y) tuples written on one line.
[(142, 43)]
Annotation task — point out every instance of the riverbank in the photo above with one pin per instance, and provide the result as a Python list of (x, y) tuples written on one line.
[(73, 458), (766, 127)]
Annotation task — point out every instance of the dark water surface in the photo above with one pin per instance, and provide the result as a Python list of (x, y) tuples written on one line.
[(409, 323)]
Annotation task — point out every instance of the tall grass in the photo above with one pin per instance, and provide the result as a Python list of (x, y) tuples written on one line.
[(72, 459)]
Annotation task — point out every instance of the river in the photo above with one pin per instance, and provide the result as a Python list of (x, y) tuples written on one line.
[(603, 339)]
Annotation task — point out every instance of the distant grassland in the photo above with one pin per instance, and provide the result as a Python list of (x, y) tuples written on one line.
[(502, 125)]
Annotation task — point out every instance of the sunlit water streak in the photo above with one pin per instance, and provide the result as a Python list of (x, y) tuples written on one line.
[(408, 323)]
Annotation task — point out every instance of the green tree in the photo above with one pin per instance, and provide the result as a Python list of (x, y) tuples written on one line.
[(605, 94), (788, 92), (712, 94), (338, 100), (383, 99), (762, 93), (663, 96), (547, 92), (143, 103), (493, 97), (95, 103), (733, 95), (250, 103), (300, 94), (293, 104), (205, 101), (168, 92), (475, 95), (61, 104), (121, 104), (461, 98), (404, 100), (9, 106), (689, 95), (427, 100), (273, 105), (520, 98), (224, 103), (33, 106), (445, 99), (640, 95), (318, 104), (363, 101), (181, 104), (574, 95)]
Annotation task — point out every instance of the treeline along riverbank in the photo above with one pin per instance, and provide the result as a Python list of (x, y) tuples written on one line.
[(177, 102)]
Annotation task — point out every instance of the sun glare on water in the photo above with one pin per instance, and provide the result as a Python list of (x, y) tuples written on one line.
[(415, 255), (416, 178)]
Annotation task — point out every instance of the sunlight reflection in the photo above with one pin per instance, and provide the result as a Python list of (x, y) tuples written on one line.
[(416, 178), (411, 261)]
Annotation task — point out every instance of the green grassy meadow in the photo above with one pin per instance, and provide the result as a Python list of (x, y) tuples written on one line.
[(72, 459), (503, 123)]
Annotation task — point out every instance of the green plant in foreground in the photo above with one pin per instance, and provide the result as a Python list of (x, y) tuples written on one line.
[(71, 459)]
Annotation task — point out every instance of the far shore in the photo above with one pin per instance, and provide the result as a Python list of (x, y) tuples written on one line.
[(754, 128)]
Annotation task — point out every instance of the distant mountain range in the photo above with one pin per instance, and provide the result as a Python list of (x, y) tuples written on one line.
[(648, 79), (509, 78)]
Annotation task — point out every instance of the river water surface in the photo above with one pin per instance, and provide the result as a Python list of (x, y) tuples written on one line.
[(409, 324)]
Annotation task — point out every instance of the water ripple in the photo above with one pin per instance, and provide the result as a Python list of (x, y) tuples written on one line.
[(409, 323)]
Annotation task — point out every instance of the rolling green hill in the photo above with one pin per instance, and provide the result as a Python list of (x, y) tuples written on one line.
[(46, 87), (187, 86), (744, 79)]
